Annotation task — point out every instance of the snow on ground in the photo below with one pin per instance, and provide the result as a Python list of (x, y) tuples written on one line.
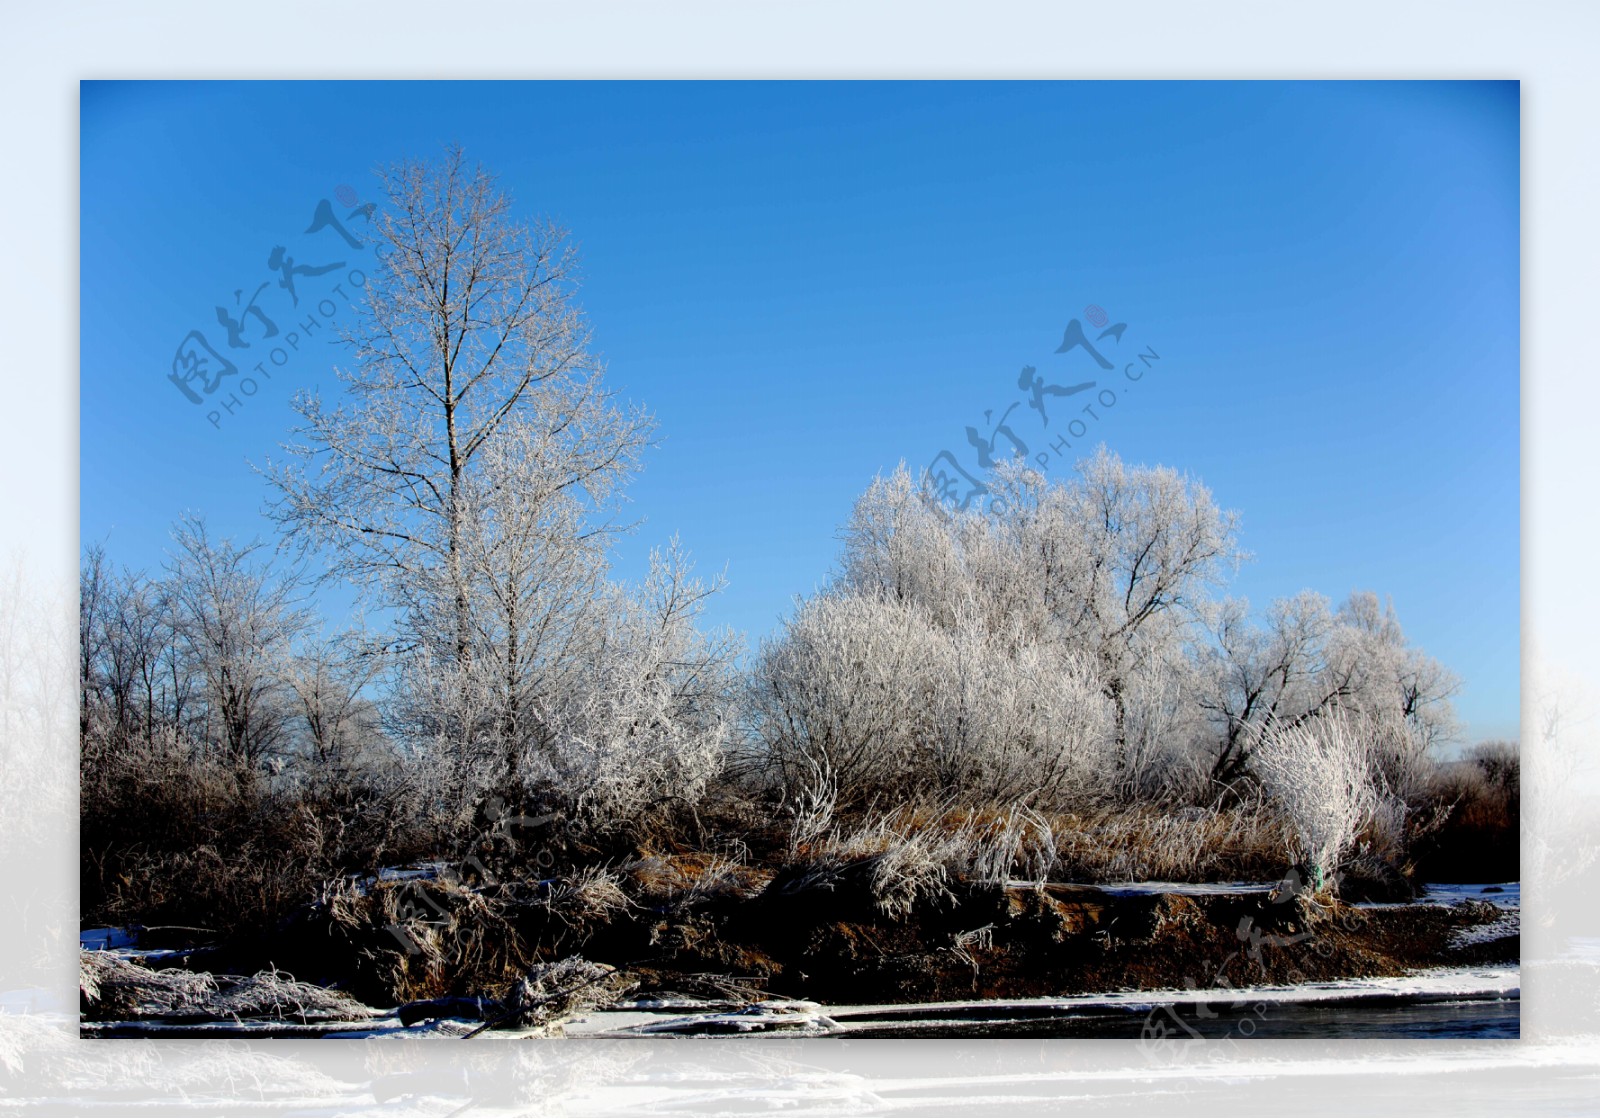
[(1480, 982), (686, 1017), (1191, 889), (1507, 924), (1502, 895), (1507, 895), (105, 940), (789, 1016), (124, 943), (1431, 985)]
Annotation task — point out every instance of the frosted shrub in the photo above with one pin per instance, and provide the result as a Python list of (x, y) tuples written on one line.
[(846, 691), (1164, 750), (649, 719), (864, 696), (1035, 648), (1321, 773), (1012, 718)]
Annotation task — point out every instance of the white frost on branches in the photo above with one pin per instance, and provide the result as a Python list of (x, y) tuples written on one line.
[(1324, 775)]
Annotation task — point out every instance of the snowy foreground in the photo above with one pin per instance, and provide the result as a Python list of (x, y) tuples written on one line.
[(1406, 1002), (699, 1018), (45, 1068), (49, 1072)]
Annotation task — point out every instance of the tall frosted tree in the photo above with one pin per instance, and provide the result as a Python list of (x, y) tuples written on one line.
[(468, 479)]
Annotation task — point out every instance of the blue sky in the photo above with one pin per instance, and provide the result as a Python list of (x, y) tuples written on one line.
[(808, 282)]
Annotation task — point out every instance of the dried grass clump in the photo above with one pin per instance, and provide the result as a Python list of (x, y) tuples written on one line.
[(113, 988), (998, 847), (903, 865), (590, 896), (681, 882), (554, 991), (916, 852), (907, 872), (1127, 844), (912, 855), (423, 938), (280, 997)]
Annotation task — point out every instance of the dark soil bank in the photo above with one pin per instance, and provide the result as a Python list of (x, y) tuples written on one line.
[(830, 939)]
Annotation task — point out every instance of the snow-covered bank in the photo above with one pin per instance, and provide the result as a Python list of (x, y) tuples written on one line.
[(1067, 959), (655, 1018)]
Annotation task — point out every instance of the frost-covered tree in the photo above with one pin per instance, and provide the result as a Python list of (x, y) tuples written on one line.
[(1126, 557), (236, 622), (648, 719), (1014, 718), (1304, 660), (863, 697), (470, 481), (465, 322), (1321, 772), (1400, 689), (129, 677), (1110, 568), (944, 639), (330, 679), (840, 698), (1269, 673), (534, 567), (635, 710)]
